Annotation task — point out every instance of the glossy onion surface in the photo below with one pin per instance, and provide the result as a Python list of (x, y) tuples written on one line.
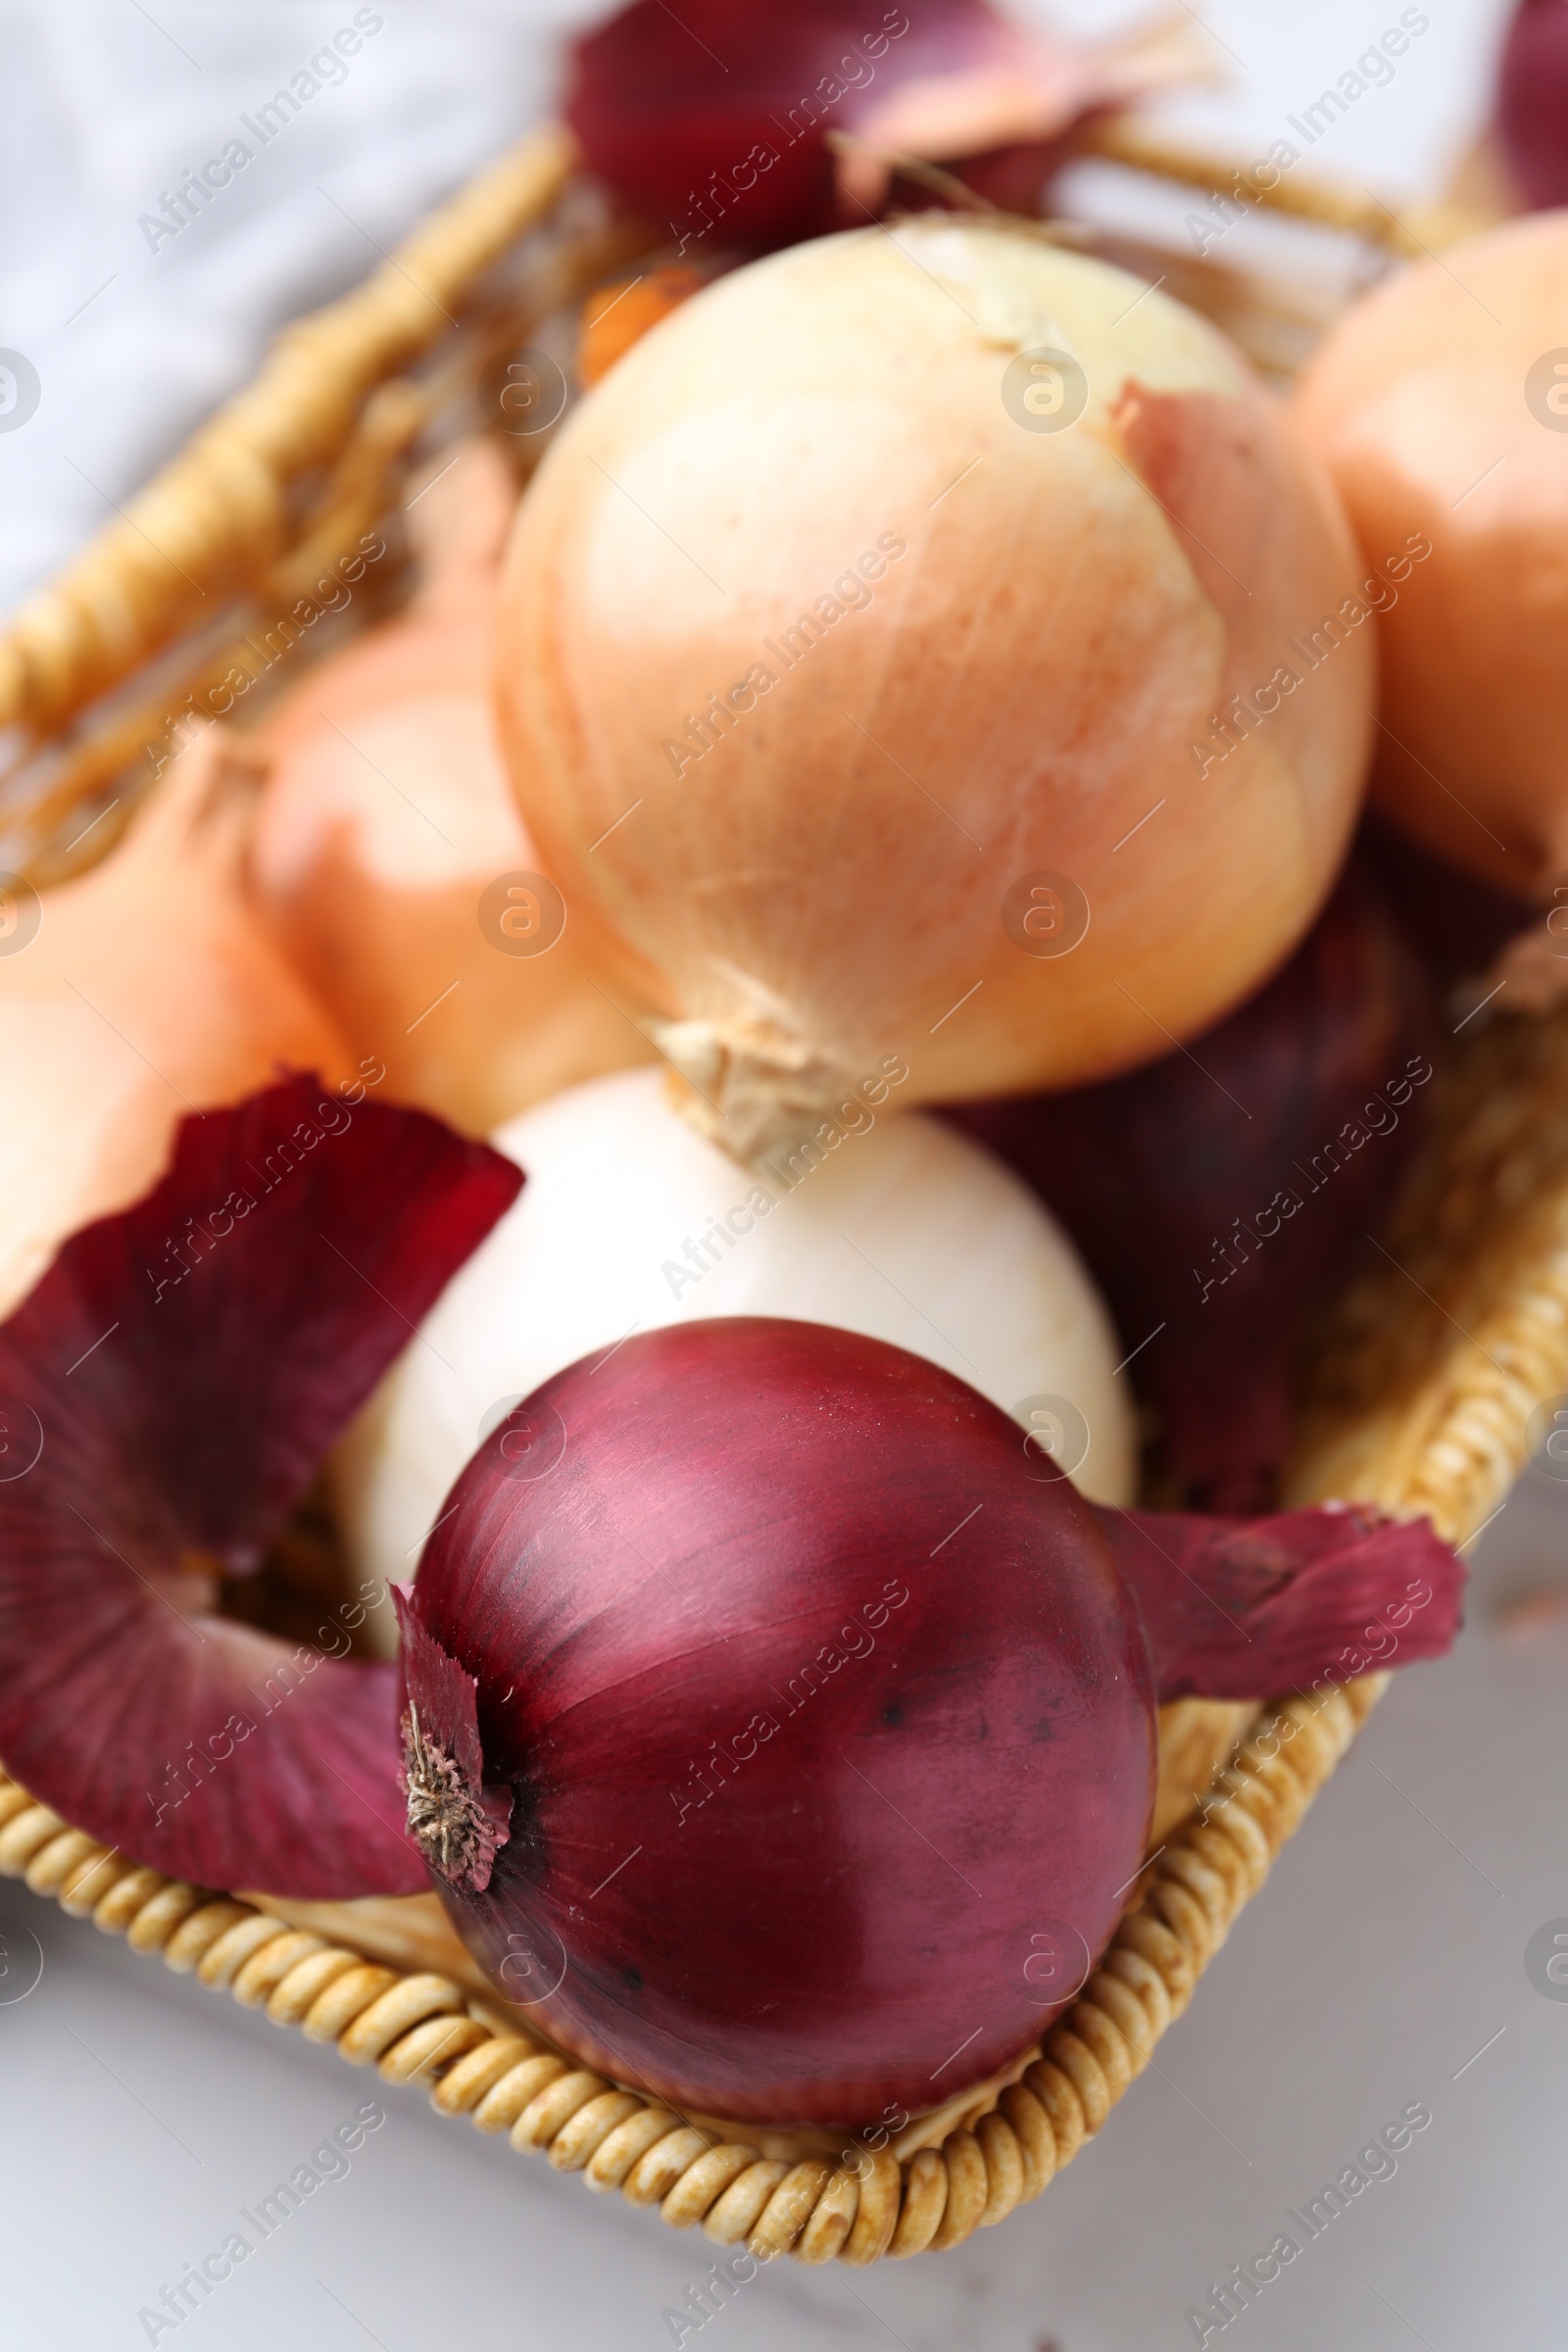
[(878, 684), (826, 1721)]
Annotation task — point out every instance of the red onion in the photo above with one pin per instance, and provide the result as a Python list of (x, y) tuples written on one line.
[(166, 1393), (1532, 111), (717, 116), (780, 1724), (1220, 1194), (1455, 923)]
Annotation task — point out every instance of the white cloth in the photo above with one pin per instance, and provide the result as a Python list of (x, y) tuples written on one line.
[(134, 335)]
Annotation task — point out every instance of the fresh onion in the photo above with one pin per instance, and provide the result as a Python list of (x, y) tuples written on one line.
[(788, 1745), (895, 1227), (723, 117), (1531, 106), (166, 1393), (1221, 1195), (1440, 406), (1042, 783), (387, 844), (145, 989)]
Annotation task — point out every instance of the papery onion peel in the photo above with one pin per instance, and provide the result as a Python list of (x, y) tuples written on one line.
[(858, 715), (167, 1391)]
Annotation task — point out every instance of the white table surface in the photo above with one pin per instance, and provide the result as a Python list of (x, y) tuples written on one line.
[(140, 2113)]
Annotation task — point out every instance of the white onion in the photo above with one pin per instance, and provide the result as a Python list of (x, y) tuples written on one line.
[(904, 1230)]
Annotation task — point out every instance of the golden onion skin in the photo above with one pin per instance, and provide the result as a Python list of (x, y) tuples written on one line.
[(1025, 627), (1431, 404)]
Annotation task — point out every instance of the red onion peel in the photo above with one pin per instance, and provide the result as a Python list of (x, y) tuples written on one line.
[(721, 116), (1531, 107), (176, 1379), (825, 1709)]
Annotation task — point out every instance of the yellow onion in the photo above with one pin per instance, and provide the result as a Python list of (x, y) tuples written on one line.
[(881, 683), (391, 856), (144, 990), (1440, 404)]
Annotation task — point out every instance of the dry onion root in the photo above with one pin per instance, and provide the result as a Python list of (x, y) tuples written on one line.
[(865, 713)]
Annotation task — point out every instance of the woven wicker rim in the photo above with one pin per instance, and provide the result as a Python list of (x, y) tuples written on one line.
[(1458, 1441), (218, 512), (423, 2028)]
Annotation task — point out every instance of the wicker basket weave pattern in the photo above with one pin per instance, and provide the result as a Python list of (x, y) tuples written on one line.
[(423, 2028)]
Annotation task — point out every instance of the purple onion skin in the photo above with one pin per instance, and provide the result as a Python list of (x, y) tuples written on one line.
[(1454, 923), (675, 110), (187, 1363), (888, 1893), (1163, 1178), (1532, 109)]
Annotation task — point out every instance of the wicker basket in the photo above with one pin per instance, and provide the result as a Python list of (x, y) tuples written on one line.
[(1420, 1401)]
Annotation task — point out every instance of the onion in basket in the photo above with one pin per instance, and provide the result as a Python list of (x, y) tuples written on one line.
[(1440, 404), (387, 842), (787, 1745), (1223, 1195), (862, 718), (899, 1228), (146, 988), (166, 1393)]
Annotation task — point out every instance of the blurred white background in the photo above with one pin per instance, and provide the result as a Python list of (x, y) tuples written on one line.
[(140, 2113)]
